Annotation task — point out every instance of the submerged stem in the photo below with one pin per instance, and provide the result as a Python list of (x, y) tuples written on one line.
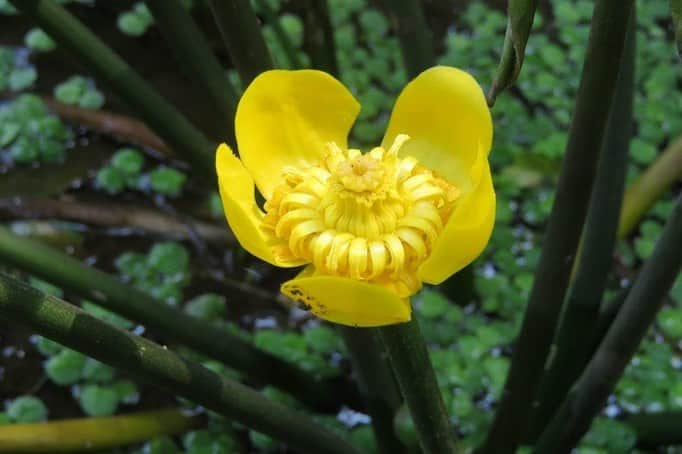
[(600, 72), (194, 55), (241, 32), (620, 343), (69, 273), (572, 352), (76, 329), (413, 33)]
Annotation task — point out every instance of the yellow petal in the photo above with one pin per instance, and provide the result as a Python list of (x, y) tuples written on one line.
[(444, 112), (348, 301), (243, 215), (467, 232), (286, 118)]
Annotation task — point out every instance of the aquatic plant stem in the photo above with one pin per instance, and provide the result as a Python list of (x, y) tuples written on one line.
[(620, 343), (318, 39), (186, 140), (657, 429), (241, 32), (159, 366), (377, 384), (413, 33), (417, 381), (195, 57), (94, 434), (204, 337), (600, 72), (571, 352), (287, 46), (641, 195)]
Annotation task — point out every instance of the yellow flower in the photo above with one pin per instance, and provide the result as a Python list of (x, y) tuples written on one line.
[(371, 227)]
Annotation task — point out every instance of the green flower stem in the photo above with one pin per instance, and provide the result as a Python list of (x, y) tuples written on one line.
[(69, 273), (318, 39), (94, 434), (650, 186), (238, 25), (413, 33), (657, 429), (377, 384), (620, 344), (287, 46), (194, 55), (597, 87), (171, 125), (572, 352), (152, 363), (417, 381)]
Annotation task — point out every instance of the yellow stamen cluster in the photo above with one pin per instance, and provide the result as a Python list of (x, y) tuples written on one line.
[(372, 217)]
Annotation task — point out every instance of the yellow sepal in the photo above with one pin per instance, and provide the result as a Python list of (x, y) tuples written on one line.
[(242, 213), (347, 301), (467, 232), (286, 118), (444, 112)]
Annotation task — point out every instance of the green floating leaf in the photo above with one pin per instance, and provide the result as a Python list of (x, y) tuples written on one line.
[(22, 78), (167, 181), (48, 347), (97, 372), (168, 258), (27, 409), (98, 400), (135, 22), (66, 367), (110, 179), (432, 304), (322, 339), (161, 445), (519, 24), (81, 91), (128, 160), (208, 306), (38, 40)]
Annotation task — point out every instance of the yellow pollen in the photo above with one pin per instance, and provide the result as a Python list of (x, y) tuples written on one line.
[(374, 217)]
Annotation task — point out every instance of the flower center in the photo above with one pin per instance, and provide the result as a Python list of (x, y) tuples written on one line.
[(373, 217)]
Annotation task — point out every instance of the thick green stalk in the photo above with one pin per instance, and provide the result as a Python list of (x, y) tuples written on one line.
[(520, 15), (194, 55), (417, 381), (93, 434), (377, 384), (318, 40), (657, 429), (676, 9), (69, 273), (187, 141), (641, 195), (413, 33), (571, 352), (154, 364), (600, 72), (620, 344), (287, 46), (241, 32)]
